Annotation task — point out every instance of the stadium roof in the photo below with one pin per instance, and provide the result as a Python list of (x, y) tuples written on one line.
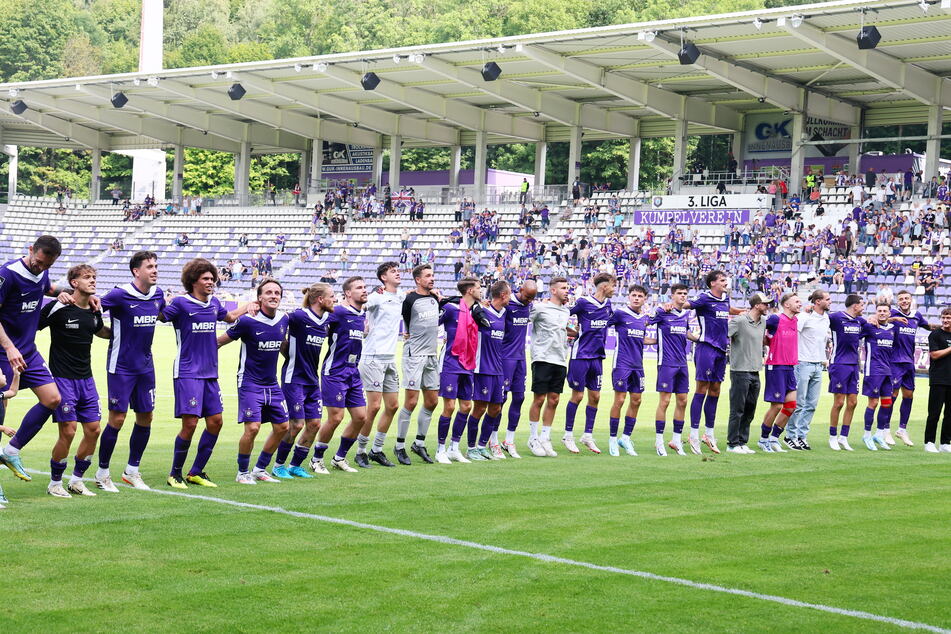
[(613, 81)]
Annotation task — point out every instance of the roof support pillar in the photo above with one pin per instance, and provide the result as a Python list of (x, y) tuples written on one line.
[(481, 147), (13, 152), (737, 149), (797, 154), (376, 173), (95, 175), (303, 176), (316, 165), (855, 149), (574, 154), (455, 165), (634, 164), (396, 154), (541, 164), (933, 144), (680, 154), (242, 174), (178, 172)]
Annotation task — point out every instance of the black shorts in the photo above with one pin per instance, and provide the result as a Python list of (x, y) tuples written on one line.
[(548, 377)]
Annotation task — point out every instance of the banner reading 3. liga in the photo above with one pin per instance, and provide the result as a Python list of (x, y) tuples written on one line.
[(691, 216)]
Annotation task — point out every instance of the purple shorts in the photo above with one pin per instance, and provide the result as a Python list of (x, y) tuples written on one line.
[(261, 405), (80, 401), (343, 390), (514, 371), (136, 390), (903, 375), (843, 379), (877, 385), (585, 373), (710, 363), (453, 385), (197, 397), (303, 401), (37, 373), (628, 380), (489, 388), (673, 380), (780, 381)]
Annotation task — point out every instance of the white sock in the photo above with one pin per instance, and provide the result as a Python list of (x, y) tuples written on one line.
[(494, 438), (694, 434), (55, 482), (625, 436), (510, 437), (677, 438), (74, 479), (454, 446), (131, 470), (441, 447), (546, 433), (533, 429), (102, 474), (10, 450), (660, 438), (378, 441), (570, 434)]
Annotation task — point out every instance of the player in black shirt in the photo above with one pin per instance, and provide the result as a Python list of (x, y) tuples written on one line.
[(72, 327), (7, 431)]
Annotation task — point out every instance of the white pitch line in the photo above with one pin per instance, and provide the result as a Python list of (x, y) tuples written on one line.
[(441, 539)]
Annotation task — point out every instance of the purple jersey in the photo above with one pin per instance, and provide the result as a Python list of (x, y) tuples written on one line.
[(593, 319), (195, 325), (516, 329), (305, 336), (261, 338), (672, 328), (631, 328), (489, 350), (879, 348), (449, 319), (904, 349), (345, 328), (713, 313), (133, 315), (846, 337), (21, 298)]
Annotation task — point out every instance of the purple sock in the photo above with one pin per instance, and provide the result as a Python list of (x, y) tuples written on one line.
[(845, 431), (659, 426), (459, 426), (264, 459), (107, 444), (300, 455), (496, 422), (833, 431), (884, 416), (570, 410), (442, 429), (206, 444), (179, 455), (869, 417), (515, 410), (486, 431), (613, 423), (244, 462), (590, 414), (904, 412), (710, 411), (319, 449), (56, 470), (696, 408), (764, 430), (678, 426), (138, 441), (32, 423), (776, 432), (472, 430), (345, 444), (81, 466), (629, 423), (283, 450)]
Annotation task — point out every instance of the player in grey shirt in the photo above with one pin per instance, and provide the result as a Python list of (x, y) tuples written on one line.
[(378, 372), (420, 362), (549, 363)]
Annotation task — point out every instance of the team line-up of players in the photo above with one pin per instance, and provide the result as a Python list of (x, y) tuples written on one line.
[(482, 364)]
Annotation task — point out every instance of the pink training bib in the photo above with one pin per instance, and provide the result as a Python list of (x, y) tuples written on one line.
[(784, 345)]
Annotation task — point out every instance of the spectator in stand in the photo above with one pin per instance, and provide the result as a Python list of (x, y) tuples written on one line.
[(243, 240), (296, 192), (116, 195), (198, 203), (280, 242), (523, 192), (330, 277)]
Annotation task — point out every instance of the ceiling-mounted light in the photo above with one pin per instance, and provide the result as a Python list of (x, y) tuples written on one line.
[(152, 81), (796, 21), (491, 71), (236, 92), (758, 24), (14, 92), (500, 48), (119, 99), (369, 81), (924, 6), (18, 107), (417, 58), (397, 59), (298, 68), (214, 74), (320, 67), (649, 36), (138, 82)]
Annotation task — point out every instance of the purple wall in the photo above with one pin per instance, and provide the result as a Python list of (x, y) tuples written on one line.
[(832, 164), (441, 177)]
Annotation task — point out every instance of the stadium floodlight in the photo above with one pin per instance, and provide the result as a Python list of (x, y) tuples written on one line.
[(647, 36), (796, 21), (119, 99), (758, 24), (152, 81), (370, 81), (397, 59), (320, 67), (924, 6), (237, 91), (298, 68), (14, 92), (491, 71), (18, 107), (417, 58)]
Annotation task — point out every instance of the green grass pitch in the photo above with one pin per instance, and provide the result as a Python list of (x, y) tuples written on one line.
[(857, 531)]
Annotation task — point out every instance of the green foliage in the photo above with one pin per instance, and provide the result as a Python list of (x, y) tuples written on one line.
[(33, 37), (207, 173)]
